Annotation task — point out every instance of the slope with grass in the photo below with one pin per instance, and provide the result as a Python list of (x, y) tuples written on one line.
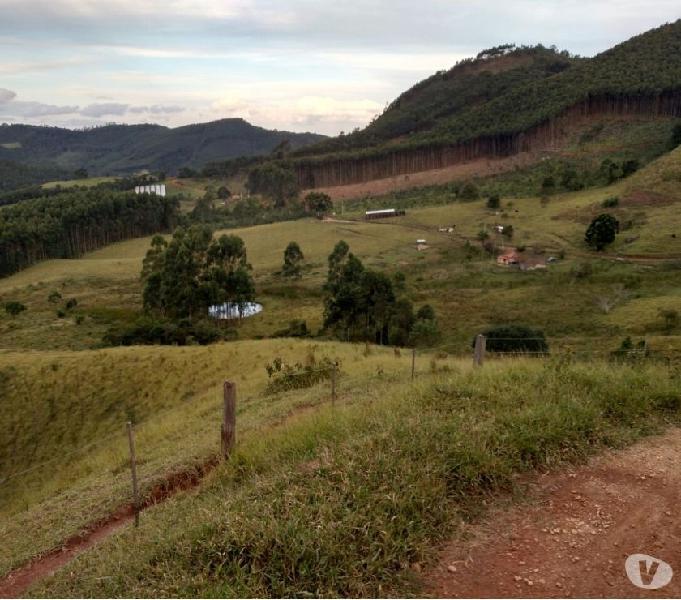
[(351, 501), (464, 284)]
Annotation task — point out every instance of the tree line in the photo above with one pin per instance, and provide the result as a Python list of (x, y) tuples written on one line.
[(75, 222)]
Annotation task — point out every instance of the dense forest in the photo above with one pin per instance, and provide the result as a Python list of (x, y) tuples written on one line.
[(71, 223), (510, 101), (14, 175)]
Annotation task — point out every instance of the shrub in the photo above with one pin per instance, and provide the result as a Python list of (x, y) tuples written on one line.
[(149, 330), (515, 338), (13, 308), (284, 377), (611, 202), (71, 303), (493, 202), (54, 297), (469, 192)]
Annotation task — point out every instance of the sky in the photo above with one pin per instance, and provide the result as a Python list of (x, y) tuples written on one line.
[(299, 65)]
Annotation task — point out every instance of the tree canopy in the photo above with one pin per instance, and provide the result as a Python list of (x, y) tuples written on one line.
[(193, 271), (602, 231)]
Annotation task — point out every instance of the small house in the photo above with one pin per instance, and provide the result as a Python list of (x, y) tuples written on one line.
[(508, 258)]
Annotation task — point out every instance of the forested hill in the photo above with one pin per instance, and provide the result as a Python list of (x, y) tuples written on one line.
[(496, 105), (115, 149), (471, 82)]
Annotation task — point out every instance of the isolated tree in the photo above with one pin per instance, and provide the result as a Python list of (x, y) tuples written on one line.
[(319, 203), (293, 258), (670, 317), (602, 231), (493, 202), (13, 308)]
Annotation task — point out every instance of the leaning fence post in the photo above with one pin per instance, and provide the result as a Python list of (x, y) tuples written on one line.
[(479, 352), (228, 429), (413, 362), (133, 470), (334, 376)]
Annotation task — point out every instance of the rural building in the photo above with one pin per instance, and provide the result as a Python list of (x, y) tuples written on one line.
[(383, 213), (155, 188), (421, 244), (508, 258)]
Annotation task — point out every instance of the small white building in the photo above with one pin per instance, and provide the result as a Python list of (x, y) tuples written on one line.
[(159, 189)]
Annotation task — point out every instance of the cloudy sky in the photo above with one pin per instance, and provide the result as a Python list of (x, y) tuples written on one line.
[(301, 65)]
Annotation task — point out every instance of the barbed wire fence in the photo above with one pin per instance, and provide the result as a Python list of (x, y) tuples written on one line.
[(330, 378)]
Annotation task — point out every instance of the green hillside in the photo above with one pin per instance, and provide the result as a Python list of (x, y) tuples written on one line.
[(116, 149), (494, 98)]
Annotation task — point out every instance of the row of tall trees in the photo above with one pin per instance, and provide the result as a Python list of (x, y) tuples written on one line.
[(72, 223)]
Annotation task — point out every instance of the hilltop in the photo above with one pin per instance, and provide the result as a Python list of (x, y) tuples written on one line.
[(116, 149), (505, 103)]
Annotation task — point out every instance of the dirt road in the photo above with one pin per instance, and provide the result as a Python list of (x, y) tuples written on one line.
[(572, 538)]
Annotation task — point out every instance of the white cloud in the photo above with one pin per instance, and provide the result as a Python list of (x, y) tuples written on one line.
[(104, 109), (6, 95), (34, 109)]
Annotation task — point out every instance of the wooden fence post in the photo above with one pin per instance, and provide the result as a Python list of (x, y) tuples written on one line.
[(334, 375), (413, 362), (133, 470), (228, 429), (479, 352)]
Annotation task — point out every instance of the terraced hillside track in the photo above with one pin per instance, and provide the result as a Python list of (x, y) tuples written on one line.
[(19, 580), (573, 537)]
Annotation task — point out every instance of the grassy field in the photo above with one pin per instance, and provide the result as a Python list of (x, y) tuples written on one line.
[(66, 451), (352, 501), (467, 288), (87, 182)]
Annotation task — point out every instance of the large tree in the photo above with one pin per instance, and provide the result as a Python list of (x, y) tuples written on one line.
[(602, 231), (194, 271)]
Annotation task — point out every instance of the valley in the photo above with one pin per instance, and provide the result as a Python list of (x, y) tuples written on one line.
[(536, 199)]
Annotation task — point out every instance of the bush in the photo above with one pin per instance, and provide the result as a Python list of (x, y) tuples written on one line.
[(14, 308), (611, 202), (284, 377), (149, 330), (493, 202), (469, 192), (71, 303), (515, 338), (54, 297)]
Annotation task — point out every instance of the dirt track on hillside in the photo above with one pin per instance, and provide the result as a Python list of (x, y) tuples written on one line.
[(18, 581), (572, 538)]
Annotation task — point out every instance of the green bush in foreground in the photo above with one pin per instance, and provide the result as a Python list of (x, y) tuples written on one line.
[(346, 501)]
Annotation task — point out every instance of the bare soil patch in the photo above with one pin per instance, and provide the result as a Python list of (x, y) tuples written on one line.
[(573, 537)]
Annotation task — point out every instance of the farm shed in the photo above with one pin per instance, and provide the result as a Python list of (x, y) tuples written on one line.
[(383, 213)]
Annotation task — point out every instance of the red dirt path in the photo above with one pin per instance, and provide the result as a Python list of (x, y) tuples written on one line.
[(572, 538), (18, 581)]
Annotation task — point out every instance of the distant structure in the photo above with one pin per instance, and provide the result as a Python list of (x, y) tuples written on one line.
[(508, 258), (384, 213), (156, 188), (421, 245)]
